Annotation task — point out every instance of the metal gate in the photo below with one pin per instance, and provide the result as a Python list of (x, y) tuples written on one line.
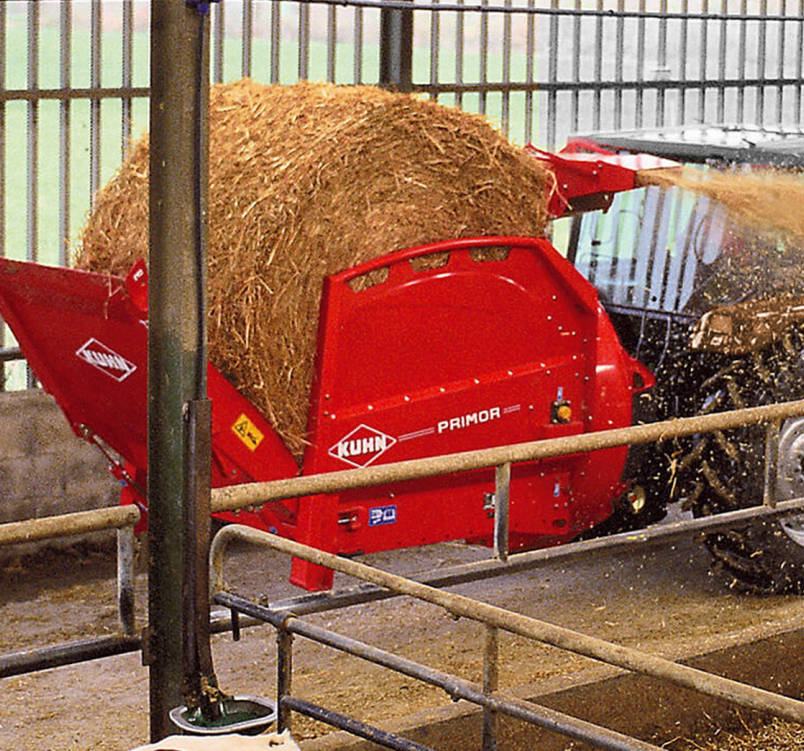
[(74, 75)]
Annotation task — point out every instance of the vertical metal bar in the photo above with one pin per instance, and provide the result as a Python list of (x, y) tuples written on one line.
[(491, 682), (530, 59), (197, 654), (125, 579), (219, 24), (284, 676), (484, 58), (32, 191), (662, 64), (247, 35), (460, 41), (332, 43), (683, 45), (762, 38), (598, 75), (702, 63), (65, 61), (96, 23), (780, 69), (357, 66), (640, 94), (741, 64), (799, 71), (723, 51), (619, 55), (506, 70), (178, 164), (304, 41), (576, 67), (772, 430), (396, 49), (276, 39), (33, 133), (435, 45), (552, 76), (128, 55), (502, 496)]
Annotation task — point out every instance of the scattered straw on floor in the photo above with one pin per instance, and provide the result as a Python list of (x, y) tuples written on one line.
[(307, 180)]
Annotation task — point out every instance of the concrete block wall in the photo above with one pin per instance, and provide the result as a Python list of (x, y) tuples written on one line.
[(45, 469)]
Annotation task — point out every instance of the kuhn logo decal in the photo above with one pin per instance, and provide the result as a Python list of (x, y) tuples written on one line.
[(101, 357), (362, 446)]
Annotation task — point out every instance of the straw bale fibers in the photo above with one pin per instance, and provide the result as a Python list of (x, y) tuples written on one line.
[(305, 181)]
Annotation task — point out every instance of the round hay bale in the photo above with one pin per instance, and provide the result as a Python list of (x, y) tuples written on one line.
[(305, 181)]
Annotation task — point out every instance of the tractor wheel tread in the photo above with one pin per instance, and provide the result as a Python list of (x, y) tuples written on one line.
[(722, 471)]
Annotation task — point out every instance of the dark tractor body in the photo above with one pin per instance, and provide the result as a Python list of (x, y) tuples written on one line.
[(716, 311)]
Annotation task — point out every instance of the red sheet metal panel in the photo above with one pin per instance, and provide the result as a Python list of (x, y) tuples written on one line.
[(468, 355)]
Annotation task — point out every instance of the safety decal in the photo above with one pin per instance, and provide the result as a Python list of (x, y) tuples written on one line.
[(362, 446), (248, 432), (382, 515), (105, 359)]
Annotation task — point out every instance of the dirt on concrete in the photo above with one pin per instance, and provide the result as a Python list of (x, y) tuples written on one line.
[(663, 601)]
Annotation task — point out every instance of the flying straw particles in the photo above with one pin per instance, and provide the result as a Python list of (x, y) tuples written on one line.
[(305, 181)]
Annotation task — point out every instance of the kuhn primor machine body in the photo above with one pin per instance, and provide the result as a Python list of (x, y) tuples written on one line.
[(503, 343)]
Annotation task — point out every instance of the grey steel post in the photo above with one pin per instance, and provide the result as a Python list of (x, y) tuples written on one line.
[(125, 579), (502, 499), (396, 49), (491, 680), (284, 676), (176, 342)]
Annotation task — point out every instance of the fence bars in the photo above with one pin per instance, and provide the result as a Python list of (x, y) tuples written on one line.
[(541, 69), (491, 616)]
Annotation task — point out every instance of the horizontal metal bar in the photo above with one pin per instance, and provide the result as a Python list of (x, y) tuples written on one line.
[(569, 12), (599, 85), (456, 688), (355, 727), (435, 89), (32, 95), (254, 494), (7, 354), (44, 658), (319, 602), (32, 530), (531, 628), (652, 313)]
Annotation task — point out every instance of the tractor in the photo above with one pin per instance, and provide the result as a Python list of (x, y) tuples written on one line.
[(716, 311)]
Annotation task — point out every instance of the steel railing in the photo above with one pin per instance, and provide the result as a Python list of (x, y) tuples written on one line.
[(238, 497), (494, 619)]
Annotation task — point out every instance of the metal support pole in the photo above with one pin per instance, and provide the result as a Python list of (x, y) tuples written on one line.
[(396, 49), (284, 676), (200, 687), (176, 343), (502, 499), (491, 676), (125, 579)]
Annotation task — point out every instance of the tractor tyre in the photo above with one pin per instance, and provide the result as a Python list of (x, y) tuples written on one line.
[(725, 471)]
